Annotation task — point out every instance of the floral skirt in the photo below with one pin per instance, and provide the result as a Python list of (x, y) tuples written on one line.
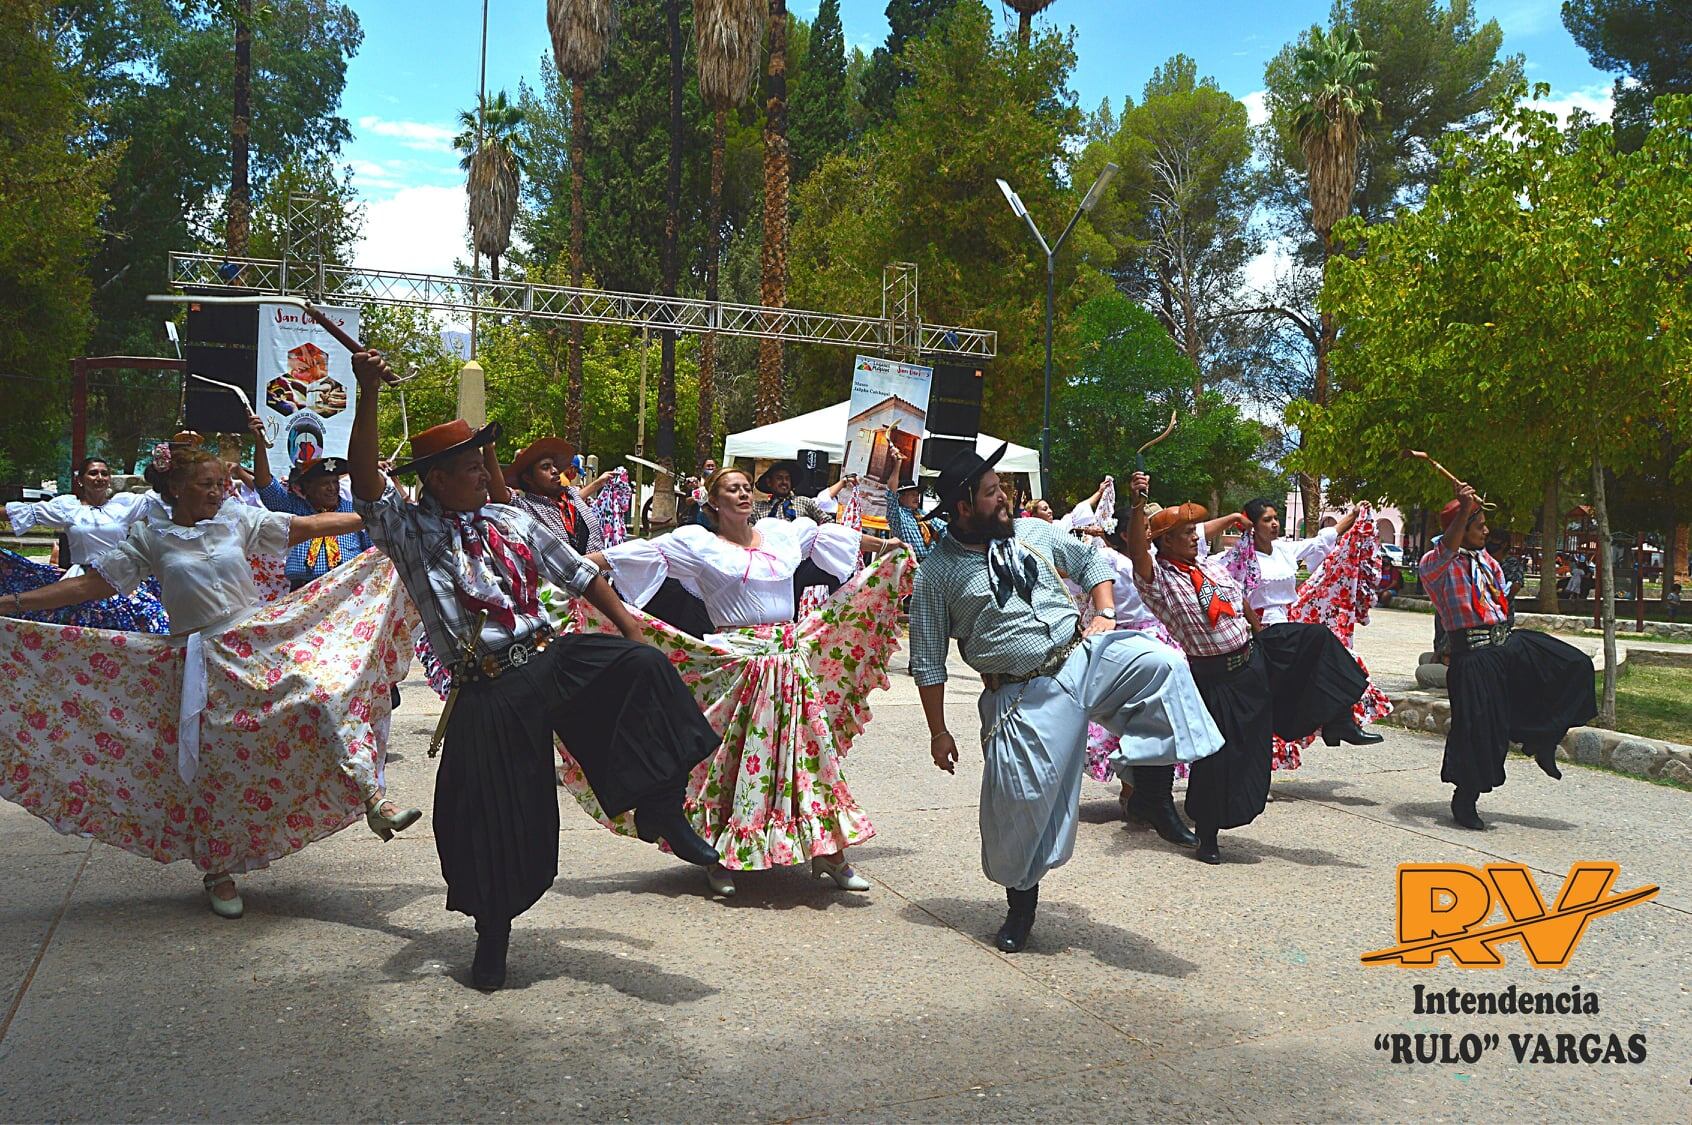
[(140, 612), (788, 701), (1101, 744), (292, 741), (1372, 708)]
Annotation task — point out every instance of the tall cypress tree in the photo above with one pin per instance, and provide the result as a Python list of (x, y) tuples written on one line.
[(887, 75), (819, 124)]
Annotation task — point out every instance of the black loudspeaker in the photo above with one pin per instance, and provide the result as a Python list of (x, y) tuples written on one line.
[(938, 452), (222, 344), (954, 400), (813, 472)]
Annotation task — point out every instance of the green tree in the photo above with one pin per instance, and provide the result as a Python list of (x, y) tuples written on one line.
[(820, 124), (1520, 326), (886, 73), (1649, 42), (341, 215), (1129, 377), (53, 180)]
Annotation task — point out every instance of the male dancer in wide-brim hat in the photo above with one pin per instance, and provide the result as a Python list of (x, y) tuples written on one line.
[(474, 570), (538, 481), (1506, 685), (996, 587), (1289, 679)]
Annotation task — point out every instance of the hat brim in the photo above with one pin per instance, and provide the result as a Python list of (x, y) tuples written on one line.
[(483, 437), (325, 467), (943, 506), (762, 484), (555, 447)]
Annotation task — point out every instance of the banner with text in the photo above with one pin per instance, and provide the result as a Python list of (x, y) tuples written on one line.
[(307, 392), (884, 427)]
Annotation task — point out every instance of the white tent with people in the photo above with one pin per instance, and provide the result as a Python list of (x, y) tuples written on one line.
[(825, 429)]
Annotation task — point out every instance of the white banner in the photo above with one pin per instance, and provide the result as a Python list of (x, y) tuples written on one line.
[(884, 427), (307, 392)]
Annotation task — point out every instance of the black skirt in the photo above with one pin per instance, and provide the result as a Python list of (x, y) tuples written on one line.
[(627, 719), (1531, 689), (1229, 788), (1312, 677)]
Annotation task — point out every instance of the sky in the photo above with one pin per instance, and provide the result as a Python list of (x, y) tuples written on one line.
[(418, 68)]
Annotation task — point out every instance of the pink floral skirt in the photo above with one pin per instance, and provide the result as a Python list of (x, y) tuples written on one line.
[(1373, 707), (788, 700), (292, 741)]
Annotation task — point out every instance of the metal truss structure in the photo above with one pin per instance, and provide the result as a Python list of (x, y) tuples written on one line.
[(899, 330)]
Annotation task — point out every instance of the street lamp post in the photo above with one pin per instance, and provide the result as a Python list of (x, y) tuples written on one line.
[(1087, 204)]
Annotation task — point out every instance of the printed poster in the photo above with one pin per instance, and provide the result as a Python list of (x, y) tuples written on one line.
[(884, 429), (306, 387)]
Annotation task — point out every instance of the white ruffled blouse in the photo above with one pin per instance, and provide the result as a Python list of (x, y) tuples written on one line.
[(1279, 570), (740, 586), (204, 578), (92, 530)]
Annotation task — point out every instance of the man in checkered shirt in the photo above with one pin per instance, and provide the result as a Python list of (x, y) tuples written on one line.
[(617, 705), (996, 587)]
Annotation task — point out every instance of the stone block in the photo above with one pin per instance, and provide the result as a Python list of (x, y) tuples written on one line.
[(1636, 756), (1587, 746), (1427, 658), (1431, 675), (1676, 770)]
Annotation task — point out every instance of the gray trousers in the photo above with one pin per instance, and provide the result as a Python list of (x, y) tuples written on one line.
[(1034, 741)]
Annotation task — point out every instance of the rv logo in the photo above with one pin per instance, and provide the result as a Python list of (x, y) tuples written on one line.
[(1445, 909)]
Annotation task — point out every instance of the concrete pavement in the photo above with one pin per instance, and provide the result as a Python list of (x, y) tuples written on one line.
[(1155, 987)]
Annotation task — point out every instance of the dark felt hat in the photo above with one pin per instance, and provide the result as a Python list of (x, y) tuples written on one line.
[(958, 477)]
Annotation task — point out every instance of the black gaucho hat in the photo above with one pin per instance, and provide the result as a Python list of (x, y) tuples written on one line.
[(959, 476)]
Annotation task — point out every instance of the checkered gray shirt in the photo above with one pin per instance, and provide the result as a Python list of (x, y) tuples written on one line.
[(546, 511), (952, 598), (419, 539)]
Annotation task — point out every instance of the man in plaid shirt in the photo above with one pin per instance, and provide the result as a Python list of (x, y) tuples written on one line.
[(1506, 686), (473, 569)]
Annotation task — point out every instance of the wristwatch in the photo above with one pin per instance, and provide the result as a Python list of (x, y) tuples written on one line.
[(1109, 614)]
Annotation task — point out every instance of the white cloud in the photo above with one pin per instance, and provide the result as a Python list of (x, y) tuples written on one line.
[(1263, 271), (420, 135), (1599, 101), (1257, 106), (417, 229)]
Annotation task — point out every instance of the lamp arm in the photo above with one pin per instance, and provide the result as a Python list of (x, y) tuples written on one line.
[(1038, 237), (1064, 237)]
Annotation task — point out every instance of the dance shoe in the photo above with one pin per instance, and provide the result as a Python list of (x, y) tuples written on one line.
[(721, 880), (487, 971), (1463, 811), (835, 867), (1208, 851), (1019, 920), (1161, 817), (231, 907), (667, 823), (1546, 756), (385, 818), (1348, 731)]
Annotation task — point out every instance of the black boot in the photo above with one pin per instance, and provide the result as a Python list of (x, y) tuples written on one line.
[(1344, 728), (1208, 849), (662, 819), (1153, 804), (1463, 810), (1546, 756), (487, 971), (1013, 935)]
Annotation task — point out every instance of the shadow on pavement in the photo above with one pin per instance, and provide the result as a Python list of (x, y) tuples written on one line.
[(1439, 812), (1059, 926), (1328, 792)]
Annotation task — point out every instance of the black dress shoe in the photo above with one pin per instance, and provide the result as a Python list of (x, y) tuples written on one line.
[(1019, 920), (667, 823), (487, 971), (1463, 811), (1161, 816), (1546, 756), (1335, 733), (1208, 851)]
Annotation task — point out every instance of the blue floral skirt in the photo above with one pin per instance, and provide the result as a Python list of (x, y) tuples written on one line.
[(140, 612)]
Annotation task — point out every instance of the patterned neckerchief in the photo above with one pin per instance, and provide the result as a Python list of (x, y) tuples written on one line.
[(1214, 605), (486, 563)]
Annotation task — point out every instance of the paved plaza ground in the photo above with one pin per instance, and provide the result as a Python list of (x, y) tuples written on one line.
[(1155, 988)]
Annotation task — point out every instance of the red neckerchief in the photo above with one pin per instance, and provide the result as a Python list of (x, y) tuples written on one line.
[(567, 510), (1215, 606), (510, 558)]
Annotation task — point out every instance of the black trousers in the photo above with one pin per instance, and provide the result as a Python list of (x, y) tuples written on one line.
[(1531, 689), (626, 718), (1312, 677), (1230, 788)]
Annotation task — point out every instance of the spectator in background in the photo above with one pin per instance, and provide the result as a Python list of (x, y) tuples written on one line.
[(1671, 601), (1515, 571)]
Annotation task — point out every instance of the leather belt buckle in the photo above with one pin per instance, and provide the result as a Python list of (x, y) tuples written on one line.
[(1238, 660)]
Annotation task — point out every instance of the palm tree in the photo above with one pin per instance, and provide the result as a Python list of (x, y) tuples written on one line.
[(582, 31), (773, 290), (489, 142), (729, 36), (240, 213), (1026, 10), (1335, 78)]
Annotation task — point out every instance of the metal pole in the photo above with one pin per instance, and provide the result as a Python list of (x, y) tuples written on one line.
[(640, 436), (1046, 415)]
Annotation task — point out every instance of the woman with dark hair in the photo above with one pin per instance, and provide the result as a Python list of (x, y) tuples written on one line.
[(93, 520), (214, 745), (1266, 566), (787, 697)]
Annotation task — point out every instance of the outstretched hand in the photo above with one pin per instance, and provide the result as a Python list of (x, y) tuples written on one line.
[(1140, 485), (944, 749)]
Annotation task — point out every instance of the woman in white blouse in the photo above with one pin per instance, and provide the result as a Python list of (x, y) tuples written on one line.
[(769, 797), (93, 520), (198, 551), (1267, 566)]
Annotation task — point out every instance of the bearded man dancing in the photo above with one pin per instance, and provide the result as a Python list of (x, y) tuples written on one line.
[(996, 586), (474, 568)]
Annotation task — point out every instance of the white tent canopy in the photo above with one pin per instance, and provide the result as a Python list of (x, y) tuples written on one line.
[(826, 429)]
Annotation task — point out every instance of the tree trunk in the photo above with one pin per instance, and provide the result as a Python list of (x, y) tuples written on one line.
[(573, 427), (664, 499), (1310, 491), (240, 185), (774, 287), (1024, 28), (705, 437), (1607, 583), (1681, 545), (1550, 542)]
